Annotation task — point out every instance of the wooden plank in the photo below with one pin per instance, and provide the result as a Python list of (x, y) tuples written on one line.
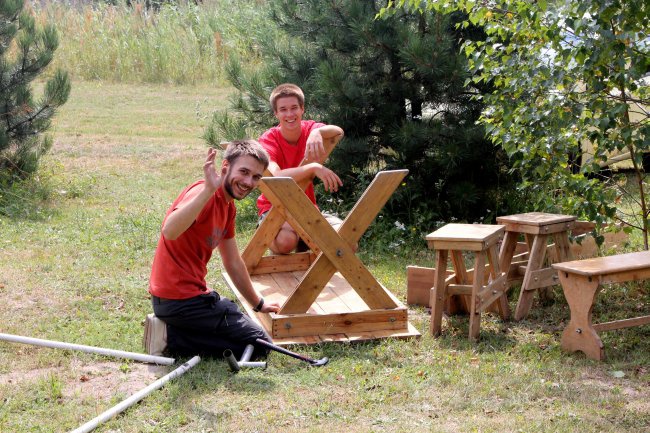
[(459, 289), (285, 282), (262, 238), (466, 237), (330, 301), (535, 219), (283, 263), (411, 332), (542, 278), (313, 246), (621, 277), (370, 203), (346, 294), (419, 281), (582, 227), (491, 293), (308, 324), (624, 323), (596, 266)]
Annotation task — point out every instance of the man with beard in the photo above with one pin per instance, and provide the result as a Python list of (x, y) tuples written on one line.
[(202, 218)]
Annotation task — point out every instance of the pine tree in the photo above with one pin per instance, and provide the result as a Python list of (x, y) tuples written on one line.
[(25, 51), (396, 86)]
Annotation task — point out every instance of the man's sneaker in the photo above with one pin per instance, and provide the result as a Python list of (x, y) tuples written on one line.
[(155, 335)]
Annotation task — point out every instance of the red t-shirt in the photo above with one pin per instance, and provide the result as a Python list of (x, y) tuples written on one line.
[(180, 266), (286, 155)]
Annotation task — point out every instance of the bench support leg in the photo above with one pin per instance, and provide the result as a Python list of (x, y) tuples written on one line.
[(580, 293)]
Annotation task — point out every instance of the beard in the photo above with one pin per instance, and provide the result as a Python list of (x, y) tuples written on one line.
[(227, 185)]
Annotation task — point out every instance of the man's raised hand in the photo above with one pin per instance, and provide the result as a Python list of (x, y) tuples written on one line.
[(212, 179)]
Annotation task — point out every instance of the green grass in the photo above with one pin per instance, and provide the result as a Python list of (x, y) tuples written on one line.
[(74, 267)]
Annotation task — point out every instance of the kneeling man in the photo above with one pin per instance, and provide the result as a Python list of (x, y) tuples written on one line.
[(202, 218)]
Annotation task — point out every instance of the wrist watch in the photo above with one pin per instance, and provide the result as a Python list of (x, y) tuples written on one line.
[(259, 306)]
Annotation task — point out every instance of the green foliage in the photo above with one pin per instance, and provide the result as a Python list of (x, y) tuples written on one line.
[(396, 87), (26, 49), (567, 76)]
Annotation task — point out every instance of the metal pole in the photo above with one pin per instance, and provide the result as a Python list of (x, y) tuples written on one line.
[(161, 360), (235, 365), (92, 424)]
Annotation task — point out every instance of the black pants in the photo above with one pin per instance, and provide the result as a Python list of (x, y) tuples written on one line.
[(208, 325)]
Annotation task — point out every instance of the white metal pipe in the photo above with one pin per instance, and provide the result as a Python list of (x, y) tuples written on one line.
[(161, 360), (235, 365), (248, 352), (92, 424), (252, 364)]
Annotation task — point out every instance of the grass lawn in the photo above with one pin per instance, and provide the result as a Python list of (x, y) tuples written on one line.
[(75, 269)]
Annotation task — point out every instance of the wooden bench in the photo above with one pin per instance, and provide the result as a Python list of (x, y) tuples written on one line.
[(581, 281)]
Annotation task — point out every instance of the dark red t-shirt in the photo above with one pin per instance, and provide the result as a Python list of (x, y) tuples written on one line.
[(180, 266), (286, 155)]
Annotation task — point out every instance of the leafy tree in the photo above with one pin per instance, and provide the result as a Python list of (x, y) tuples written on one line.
[(396, 87), (25, 51), (566, 76)]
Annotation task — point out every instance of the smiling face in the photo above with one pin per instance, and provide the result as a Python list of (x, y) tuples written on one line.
[(289, 113), (241, 176)]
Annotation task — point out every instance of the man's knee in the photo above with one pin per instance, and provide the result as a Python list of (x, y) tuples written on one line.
[(285, 242)]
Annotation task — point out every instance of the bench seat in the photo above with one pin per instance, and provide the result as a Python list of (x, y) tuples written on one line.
[(581, 282)]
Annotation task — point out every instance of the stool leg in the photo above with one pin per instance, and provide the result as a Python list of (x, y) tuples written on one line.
[(495, 271), (507, 251), (474, 314), (459, 303), (535, 261), (438, 293)]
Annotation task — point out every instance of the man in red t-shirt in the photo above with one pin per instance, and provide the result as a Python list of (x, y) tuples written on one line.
[(201, 219), (288, 144)]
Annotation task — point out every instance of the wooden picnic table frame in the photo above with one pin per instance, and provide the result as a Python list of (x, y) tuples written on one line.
[(331, 266)]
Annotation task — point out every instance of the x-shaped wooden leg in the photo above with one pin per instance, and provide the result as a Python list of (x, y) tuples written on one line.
[(268, 230), (336, 251)]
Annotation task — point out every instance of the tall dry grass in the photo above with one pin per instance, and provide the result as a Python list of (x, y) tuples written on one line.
[(179, 43)]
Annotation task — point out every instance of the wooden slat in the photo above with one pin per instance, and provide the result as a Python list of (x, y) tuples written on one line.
[(466, 237), (619, 263), (283, 263), (542, 278), (534, 219), (410, 332), (262, 238), (346, 294), (619, 324), (491, 293), (459, 289), (307, 324)]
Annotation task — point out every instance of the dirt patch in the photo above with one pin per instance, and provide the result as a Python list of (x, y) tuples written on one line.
[(637, 396), (107, 379), (99, 381)]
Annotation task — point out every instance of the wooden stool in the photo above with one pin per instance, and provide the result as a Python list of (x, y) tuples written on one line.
[(482, 240), (537, 227)]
